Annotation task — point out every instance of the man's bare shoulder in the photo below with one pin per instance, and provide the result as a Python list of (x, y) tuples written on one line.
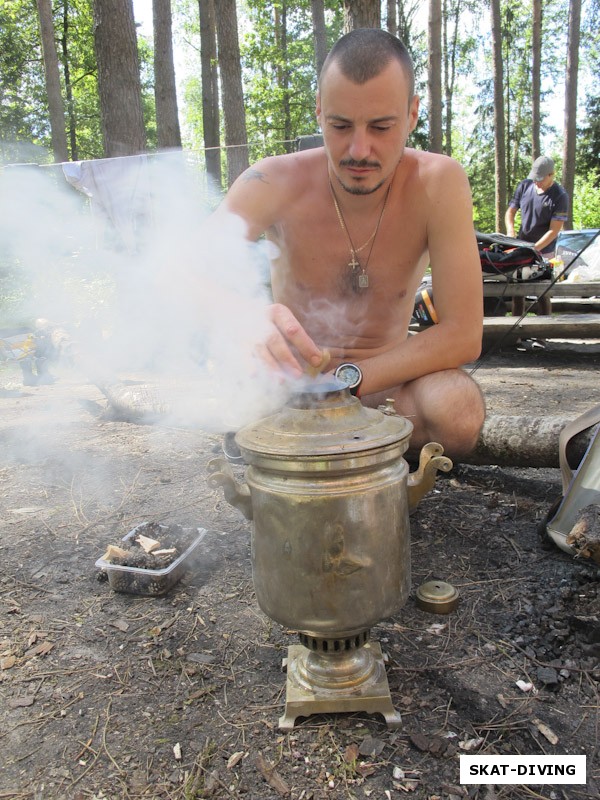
[(287, 170), (433, 166), (266, 192)]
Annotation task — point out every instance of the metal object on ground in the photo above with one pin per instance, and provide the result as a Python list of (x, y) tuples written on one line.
[(326, 487), (370, 695), (437, 597)]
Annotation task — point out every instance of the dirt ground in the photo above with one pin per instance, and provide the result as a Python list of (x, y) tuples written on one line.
[(107, 695)]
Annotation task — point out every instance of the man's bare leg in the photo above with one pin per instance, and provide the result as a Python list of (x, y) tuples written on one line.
[(445, 407)]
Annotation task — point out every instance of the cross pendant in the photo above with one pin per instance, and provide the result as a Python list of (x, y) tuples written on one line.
[(354, 263)]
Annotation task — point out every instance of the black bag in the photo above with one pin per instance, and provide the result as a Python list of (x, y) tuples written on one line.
[(506, 259)]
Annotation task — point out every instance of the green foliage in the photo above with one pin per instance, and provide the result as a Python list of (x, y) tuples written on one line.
[(588, 152), (586, 200), (475, 151), (588, 143), (192, 123), (481, 177), (24, 126), (24, 123), (75, 29), (146, 57), (280, 79), (191, 111)]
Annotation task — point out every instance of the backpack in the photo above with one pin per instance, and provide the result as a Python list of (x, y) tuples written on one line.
[(506, 259)]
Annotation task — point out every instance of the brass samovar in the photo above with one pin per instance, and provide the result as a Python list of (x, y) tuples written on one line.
[(329, 493)]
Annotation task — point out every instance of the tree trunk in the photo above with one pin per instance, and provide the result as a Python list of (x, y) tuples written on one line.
[(499, 131), (434, 75), (283, 75), (119, 85), (361, 14), (570, 134), (319, 33), (447, 123), (449, 49), (392, 18), (56, 106), (64, 44), (231, 86), (165, 90), (210, 90), (536, 78)]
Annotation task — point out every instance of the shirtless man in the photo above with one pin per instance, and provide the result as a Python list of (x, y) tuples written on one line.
[(356, 223)]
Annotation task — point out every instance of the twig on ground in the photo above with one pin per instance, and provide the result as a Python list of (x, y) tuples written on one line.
[(86, 746)]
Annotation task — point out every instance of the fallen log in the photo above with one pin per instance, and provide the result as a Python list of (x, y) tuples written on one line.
[(512, 441), (506, 441)]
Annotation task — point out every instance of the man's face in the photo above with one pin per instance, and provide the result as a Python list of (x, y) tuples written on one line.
[(545, 183), (365, 126)]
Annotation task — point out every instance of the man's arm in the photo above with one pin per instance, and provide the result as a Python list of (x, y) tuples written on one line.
[(556, 226), (559, 217), (457, 290), (258, 196), (513, 207), (509, 220)]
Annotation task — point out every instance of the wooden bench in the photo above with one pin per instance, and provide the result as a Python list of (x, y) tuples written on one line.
[(509, 329), (555, 326), (537, 288)]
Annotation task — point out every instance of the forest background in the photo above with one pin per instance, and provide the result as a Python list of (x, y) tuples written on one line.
[(501, 82)]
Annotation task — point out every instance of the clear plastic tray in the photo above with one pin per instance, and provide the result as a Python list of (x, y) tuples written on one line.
[(148, 582)]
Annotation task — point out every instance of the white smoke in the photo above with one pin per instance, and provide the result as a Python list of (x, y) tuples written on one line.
[(148, 283)]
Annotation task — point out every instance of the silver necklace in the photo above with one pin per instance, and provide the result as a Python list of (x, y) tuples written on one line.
[(358, 272)]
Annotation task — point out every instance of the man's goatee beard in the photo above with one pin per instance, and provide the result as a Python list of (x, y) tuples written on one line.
[(361, 189)]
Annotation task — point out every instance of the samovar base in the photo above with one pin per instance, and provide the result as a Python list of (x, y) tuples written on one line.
[(371, 695)]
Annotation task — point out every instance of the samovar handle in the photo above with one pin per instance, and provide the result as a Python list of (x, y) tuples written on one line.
[(237, 494), (423, 479), (431, 459)]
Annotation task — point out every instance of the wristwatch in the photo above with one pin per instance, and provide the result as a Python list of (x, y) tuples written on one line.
[(351, 375)]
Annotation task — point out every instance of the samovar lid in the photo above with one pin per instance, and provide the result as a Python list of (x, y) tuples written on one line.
[(322, 419)]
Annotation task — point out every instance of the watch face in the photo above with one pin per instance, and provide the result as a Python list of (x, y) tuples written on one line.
[(349, 374)]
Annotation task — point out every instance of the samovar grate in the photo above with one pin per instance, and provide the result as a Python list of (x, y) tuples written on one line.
[(319, 645)]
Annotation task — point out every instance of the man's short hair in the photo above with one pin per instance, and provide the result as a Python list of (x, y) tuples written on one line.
[(364, 53)]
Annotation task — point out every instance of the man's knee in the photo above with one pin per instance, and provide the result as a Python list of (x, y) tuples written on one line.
[(453, 410), (445, 407), (471, 416)]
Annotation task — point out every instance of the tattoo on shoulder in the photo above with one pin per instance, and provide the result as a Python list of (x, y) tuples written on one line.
[(254, 175)]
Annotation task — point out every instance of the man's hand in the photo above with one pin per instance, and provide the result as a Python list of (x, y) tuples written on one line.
[(287, 347)]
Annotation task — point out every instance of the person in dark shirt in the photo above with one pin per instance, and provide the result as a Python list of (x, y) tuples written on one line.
[(544, 206)]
